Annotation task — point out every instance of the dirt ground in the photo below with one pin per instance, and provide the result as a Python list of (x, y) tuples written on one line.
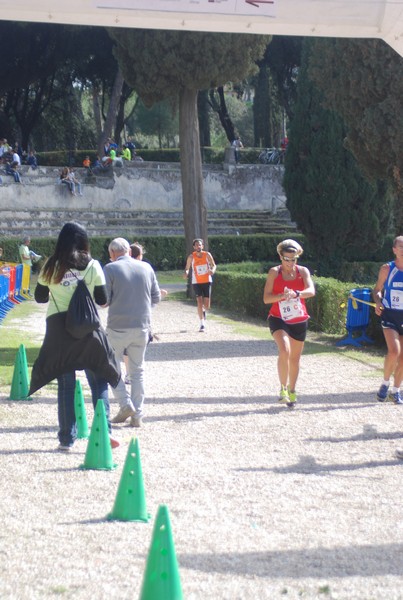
[(264, 502)]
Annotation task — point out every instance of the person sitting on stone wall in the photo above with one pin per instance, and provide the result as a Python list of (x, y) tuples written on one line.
[(32, 161), (65, 179), (75, 183), (126, 154), (12, 169)]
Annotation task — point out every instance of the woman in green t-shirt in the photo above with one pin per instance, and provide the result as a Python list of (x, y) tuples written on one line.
[(61, 354)]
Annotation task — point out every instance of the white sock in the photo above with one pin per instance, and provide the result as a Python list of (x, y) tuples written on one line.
[(395, 389), (386, 382)]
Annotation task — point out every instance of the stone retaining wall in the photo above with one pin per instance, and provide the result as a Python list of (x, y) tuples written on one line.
[(143, 197), (147, 186)]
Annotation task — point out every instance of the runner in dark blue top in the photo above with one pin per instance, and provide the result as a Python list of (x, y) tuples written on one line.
[(388, 296)]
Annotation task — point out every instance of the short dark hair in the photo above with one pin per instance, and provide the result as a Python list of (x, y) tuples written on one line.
[(136, 249), (198, 240)]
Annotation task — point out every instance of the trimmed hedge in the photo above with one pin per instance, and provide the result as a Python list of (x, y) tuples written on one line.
[(243, 293), (209, 155), (169, 253), (64, 157)]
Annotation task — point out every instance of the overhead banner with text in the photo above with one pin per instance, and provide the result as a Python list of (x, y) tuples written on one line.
[(224, 7)]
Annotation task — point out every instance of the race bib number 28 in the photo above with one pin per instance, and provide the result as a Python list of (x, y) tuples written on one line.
[(396, 299)]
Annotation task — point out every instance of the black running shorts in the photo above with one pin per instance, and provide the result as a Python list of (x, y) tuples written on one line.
[(392, 319), (202, 289), (296, 331)]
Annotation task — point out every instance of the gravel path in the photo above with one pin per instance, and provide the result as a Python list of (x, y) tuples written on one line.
[(265, 502)]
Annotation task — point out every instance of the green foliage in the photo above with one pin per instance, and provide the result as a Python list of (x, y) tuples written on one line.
[(283, 57), (158, 64), (243, 292), (254, 254), (243, 267), (160, 120), (364, 272), (326, 308), (362, 80), (338, 210), (242, 118)]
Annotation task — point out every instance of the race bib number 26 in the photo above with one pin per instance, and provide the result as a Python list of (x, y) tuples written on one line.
[(291, 309)]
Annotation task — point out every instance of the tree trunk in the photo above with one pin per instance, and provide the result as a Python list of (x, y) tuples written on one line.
[(398, 208), (221, 109), (97, 111), (112, 111), (204, 124), (194, 207), (261, 109)]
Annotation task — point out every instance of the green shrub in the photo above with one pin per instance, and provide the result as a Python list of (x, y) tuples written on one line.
[(243, 293), (242, 267), (360, 272)]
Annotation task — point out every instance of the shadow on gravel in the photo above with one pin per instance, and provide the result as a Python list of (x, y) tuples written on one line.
[(305, 403), (342, 561), (216, 400), (307, 465), (369, 433), (36, 429), (209, 349), (196, 416)]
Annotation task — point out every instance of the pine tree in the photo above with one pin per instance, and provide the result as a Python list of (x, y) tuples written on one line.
[(176, 65), (363, 81), (342, 214)]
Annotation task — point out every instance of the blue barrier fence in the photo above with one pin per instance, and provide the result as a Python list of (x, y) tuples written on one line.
[(10, 287)]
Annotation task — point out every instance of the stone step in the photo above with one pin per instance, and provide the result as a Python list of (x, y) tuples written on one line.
[(160, 214), (47, 222), (143, 231)]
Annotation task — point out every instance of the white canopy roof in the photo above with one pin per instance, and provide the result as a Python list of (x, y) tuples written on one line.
[(330, 18)]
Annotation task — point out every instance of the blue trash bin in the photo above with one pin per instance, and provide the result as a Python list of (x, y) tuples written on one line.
[(357, 319)]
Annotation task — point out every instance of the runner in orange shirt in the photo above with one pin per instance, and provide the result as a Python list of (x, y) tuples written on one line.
[(203, 267)]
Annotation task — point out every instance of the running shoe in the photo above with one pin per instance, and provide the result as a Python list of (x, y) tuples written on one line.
[(292, 398), (382, 393), (395, 397), (202, 328), (399, 453), (284, 397), (64, 448)]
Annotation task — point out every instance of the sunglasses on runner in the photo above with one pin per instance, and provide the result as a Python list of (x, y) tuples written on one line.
[(286, 259)]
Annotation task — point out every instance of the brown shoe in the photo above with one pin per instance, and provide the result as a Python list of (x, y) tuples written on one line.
[(123, 414), (135, 421)]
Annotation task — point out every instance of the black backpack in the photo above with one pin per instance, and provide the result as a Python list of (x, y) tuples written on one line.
[(82, 315)]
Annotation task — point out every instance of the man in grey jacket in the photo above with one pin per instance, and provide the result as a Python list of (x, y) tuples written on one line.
[(132, 289)]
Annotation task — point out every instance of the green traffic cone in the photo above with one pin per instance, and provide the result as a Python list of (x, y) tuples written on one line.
[(99, 451), (20, 382), (81, 415), (130, 502), (161, 579)]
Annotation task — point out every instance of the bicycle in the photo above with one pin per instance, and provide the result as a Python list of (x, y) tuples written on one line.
[(270, 156)]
